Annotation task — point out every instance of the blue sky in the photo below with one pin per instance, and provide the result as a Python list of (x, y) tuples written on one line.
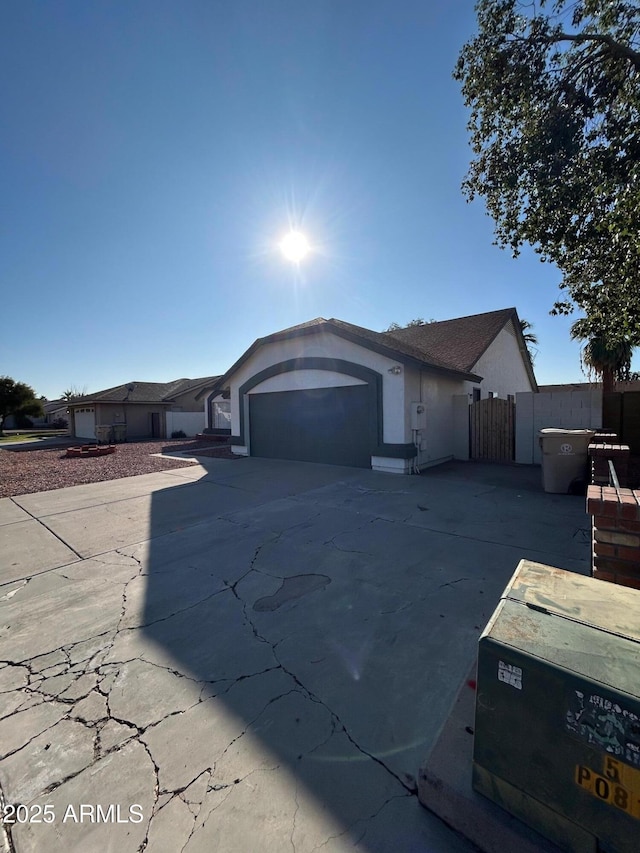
[(154, 154)]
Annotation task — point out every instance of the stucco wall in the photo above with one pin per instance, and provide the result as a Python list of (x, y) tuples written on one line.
[(137, 417), (191, 423), (326, 345), (502, 367), (438, 442), (111, 413), (188, 403), (298, 379)]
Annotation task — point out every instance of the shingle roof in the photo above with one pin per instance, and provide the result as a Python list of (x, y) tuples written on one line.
[(396, 344), (459, 342), (53, 405), (310, 324), (145, 392), (450, 346), (382, 342)]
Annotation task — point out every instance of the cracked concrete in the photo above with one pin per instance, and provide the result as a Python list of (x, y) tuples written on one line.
[(251, 655)]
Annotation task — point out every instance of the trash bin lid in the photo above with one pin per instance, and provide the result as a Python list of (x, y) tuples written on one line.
[(555, 431)]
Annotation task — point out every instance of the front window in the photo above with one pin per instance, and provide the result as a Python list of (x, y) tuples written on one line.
[(221, 414)]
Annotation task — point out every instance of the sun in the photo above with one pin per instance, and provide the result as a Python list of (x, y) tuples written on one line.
[(294, 246)]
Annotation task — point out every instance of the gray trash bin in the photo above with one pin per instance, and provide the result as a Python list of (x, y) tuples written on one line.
[(103, 433), (119, 433), (565, 458)]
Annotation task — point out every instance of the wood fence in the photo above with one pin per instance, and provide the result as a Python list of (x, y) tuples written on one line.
[(492, 430)]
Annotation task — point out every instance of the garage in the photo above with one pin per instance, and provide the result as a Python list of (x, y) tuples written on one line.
[(85, 423), (329, 425)]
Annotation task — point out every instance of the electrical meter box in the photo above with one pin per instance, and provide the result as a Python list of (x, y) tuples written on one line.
[(557, 728), (418, 416)]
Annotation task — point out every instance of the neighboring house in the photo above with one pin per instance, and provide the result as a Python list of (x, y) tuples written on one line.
[(146, 409), (54, 410), (329, 391)]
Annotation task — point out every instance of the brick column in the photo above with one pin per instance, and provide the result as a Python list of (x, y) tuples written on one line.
[(605, 438), (599, 455), (615, 534)]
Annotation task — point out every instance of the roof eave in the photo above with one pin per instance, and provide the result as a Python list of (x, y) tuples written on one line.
[(204, 386), (113, 401), (246, 355), (381, 348), (209, 389)]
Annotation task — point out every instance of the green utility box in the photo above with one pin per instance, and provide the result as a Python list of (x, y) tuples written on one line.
[(557, 730)]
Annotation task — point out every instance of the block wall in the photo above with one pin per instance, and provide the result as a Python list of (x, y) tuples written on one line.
[(556, 409)]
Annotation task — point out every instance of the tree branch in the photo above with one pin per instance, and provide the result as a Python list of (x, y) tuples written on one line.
[(617, 49)]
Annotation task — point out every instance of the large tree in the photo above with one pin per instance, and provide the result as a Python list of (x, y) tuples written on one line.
[(607, 360), (17, 398), (554, 95)]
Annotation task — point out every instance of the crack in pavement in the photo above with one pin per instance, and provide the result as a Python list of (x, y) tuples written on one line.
[(173, 612), (295, 814), (156, 792), (53, 533), (451, 583), (370, 520), (310, 694), (364, 820), (87, 661)]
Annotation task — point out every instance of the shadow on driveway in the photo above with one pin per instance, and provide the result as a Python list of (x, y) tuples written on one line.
[(288, 641), (329, 616)]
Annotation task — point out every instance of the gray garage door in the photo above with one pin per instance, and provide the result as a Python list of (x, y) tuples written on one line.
[(330, 425)]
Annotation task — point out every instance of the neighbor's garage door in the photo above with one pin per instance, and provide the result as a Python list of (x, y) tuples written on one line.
[(85, 420), (330, 425)]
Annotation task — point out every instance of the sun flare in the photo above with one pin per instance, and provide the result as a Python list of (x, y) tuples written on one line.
[(294, 246)]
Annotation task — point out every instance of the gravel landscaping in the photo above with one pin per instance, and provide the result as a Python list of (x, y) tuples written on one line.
[(24, 470)]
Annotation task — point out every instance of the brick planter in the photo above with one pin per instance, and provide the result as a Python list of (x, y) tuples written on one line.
[(615, 534), (600, 454), (87, 451)]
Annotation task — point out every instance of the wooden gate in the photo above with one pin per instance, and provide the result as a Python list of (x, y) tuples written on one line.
[(492, 430)]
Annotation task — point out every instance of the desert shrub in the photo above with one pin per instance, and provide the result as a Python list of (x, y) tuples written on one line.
[(178, 433)]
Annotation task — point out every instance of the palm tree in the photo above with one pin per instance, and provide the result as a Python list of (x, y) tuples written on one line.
[(73, 393), (608, 361), (530, 338)]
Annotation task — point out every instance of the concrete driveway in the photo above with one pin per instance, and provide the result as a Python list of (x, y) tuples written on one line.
[(250, 654)]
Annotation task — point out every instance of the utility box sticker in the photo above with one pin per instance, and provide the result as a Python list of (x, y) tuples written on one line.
[(605, 724), (510, 674)]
